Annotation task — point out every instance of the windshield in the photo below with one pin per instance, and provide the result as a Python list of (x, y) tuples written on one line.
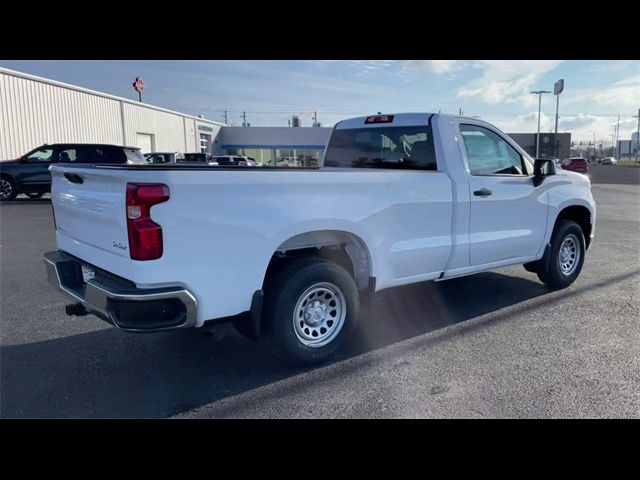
[(40, 155), (409, 147)]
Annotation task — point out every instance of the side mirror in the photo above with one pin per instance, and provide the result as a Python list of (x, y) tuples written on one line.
[(542, 168), (23, 159)]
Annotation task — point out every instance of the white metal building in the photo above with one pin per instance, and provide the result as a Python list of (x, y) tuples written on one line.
[(35, 111)]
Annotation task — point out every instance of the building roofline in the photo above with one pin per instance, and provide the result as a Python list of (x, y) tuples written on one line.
[(68, 86)]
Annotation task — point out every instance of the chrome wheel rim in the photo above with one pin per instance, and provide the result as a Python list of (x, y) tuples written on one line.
[(569, 254), (5, 189), (319, 314)]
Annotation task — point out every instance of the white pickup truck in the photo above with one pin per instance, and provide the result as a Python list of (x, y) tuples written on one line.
[(290, 253)]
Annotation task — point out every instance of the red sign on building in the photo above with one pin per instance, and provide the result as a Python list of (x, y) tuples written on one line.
[(138, 84)]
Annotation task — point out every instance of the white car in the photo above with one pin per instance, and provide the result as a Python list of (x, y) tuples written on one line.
[(398, 199), (609, 161)]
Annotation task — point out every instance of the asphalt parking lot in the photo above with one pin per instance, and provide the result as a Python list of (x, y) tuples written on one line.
[(496, 344)]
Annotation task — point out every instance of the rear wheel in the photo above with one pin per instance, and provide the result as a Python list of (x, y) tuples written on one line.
[(563, 260), (310, 309), (34, 195), (7, 189)]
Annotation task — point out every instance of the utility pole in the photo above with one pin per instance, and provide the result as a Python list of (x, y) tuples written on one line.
[(539, 93), (244, 119), (226, 119), (315, 119), (618, 137), (638, 137)]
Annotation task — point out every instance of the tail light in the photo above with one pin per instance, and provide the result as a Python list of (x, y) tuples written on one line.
[(379, 119), (145, 236)]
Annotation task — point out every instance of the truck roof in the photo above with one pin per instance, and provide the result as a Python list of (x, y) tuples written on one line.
[(399, 119)]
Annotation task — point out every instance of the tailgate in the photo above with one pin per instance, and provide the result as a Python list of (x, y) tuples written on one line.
[(89, 208)]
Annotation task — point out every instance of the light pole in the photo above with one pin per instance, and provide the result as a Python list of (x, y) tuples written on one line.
[(638, 139), (539, 93), (594, 142)]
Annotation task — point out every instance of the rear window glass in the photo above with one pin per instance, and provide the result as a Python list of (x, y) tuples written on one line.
[(111, 155), (382, 147)]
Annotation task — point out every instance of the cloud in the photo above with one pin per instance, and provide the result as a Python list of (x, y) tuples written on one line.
[(625, 93), (507, 81), (610, 66), (622, 96), (434, 66), (579, 121), (581, 126)]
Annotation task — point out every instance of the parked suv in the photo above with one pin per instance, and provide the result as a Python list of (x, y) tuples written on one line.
[(29, 174), (575, 164), (164, 157)]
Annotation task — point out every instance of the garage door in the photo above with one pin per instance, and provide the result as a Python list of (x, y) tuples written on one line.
[(145, 142)]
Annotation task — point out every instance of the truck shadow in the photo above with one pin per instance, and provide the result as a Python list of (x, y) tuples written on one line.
[(110, 373)]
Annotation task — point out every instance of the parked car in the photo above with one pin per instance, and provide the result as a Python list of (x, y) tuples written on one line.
[(164, 157), (30, 175), (196, 157), (234, 160), (609, 161), (289, 162), (297, 251), (575, 164)]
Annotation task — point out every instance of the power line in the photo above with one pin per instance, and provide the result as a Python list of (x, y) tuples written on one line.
[(311, 111)]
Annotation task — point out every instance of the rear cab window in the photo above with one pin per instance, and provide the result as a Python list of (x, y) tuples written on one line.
[(382, 147)]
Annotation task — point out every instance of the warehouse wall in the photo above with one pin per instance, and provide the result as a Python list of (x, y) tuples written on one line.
[(167, 129), (33, 113), (35, 110)]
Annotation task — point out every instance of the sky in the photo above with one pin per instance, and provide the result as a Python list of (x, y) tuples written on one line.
[(272, 91)]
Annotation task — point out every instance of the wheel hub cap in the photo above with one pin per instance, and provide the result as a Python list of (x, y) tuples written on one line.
[(5, 188), (319, 314), (569, 254), (315, 313)]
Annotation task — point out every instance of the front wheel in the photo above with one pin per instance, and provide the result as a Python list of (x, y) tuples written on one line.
[(311, 307), (7, 189), (563, 260)]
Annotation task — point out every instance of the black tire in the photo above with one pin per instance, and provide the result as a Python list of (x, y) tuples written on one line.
[(285, 288), (34, 195), (550, 272), (8, 189)]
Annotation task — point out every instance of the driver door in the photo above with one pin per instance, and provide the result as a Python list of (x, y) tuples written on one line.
[(508, 214), (36, 171)]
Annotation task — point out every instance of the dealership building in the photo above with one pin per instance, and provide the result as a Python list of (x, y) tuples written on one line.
[(35, 111)]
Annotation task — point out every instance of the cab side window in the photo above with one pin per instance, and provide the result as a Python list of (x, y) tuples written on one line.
[(67, 155), (490, 154)]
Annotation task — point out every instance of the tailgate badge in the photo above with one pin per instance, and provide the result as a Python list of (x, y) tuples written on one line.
[(119, 245)]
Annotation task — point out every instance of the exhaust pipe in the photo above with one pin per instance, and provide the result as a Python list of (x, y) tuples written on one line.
[(76, 309)]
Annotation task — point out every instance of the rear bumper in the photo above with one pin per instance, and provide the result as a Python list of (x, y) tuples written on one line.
[(119, 301)]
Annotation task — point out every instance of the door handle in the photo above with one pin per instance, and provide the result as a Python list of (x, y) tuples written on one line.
[(483, 192), (73, 178)]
